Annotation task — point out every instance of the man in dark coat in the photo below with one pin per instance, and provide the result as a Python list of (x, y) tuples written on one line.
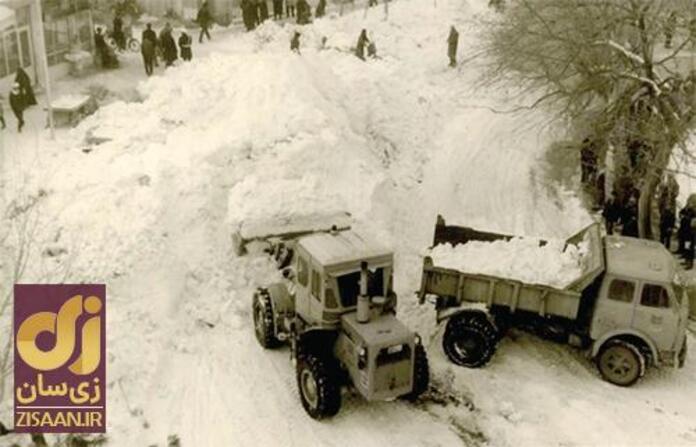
[(304, 12), (629, 218), (169, 50), (290, 8), (100, 46), (588, 162), (185, 42), (27, 91), (685, 232), (277, 9), (204, 19), (148, 49), (611, 213), (17, 105), (363, 41), (321, 9), (452, 44), (118, 34)]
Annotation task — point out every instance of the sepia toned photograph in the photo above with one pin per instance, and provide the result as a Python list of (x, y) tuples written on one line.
[(338, 223)]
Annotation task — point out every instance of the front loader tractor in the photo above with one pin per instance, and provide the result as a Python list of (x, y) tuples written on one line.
[(336, 309)]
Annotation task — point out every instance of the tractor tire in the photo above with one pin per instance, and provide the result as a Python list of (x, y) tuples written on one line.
[(263, 320), (318, 382), (470, 340), (621, 363), (421, 374), (134, 45)]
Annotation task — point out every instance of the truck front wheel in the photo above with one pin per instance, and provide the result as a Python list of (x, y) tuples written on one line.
[(621, 363), (263, 320), (469, 340), (318, 383)]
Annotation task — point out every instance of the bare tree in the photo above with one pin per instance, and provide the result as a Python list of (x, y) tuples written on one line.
[(605, 59)]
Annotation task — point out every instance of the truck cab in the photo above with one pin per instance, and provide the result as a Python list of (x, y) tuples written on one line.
[(641, 299)]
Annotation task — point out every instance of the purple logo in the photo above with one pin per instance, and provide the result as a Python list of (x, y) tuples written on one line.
[(59, 358)]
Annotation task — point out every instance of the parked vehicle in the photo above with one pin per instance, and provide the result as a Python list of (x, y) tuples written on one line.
[(629, 309), (336, 310)]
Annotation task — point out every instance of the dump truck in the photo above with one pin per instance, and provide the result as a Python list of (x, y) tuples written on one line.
[(336, 309), (628, 309)]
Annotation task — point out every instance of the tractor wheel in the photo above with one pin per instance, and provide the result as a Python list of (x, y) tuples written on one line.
[(133, 45), (421, 374), (621, 363), (470, 340), (318, 383), (263, 320)]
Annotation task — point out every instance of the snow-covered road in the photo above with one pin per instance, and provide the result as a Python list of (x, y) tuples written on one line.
[(254, 130)]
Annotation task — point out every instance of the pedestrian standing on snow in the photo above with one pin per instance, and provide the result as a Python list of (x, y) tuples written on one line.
[(150, 35), (248, 14), (169, 50), (295, 43), (452, 45), (629, 218), (372, 47), (321, 9), (263, 11), (147, 49), (363, 41), (118, 35), (277, 9), (304, 12), (290, 8), (100, 46), (684, 233), (27, 91), (185, 42), (17, 105), (611, 213), (204, 19)]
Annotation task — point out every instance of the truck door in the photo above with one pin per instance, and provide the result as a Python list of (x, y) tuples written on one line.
[(615, 306), (302, 300), (657, 315), (315, 293)]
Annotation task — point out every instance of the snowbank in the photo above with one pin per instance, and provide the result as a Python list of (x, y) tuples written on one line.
[(522, 259)]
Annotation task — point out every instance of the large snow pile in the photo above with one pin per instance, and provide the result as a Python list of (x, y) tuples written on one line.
[(524, 259)]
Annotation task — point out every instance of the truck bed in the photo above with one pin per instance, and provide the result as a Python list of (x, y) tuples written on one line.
[(504, 292)]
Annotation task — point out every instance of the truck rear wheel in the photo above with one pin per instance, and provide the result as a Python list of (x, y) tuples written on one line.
[(469, 340), (621, 363), (421, 374), (263, 320), (318, 383)]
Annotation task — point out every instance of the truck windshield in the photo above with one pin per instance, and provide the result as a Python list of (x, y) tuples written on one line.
[(349, 286)]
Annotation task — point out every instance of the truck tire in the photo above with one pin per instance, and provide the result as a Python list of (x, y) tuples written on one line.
[(470, 340), (621, 363), (421, 374), (263, 320), (319, 385)]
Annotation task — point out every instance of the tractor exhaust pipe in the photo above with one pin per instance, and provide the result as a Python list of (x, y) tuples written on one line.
[(363, 315)]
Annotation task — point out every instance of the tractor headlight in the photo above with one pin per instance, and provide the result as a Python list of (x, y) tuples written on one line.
[(417, 339), (362, 358)]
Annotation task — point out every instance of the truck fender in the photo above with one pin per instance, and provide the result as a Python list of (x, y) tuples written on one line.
[(282, 304), (449, 313), (621, 333)]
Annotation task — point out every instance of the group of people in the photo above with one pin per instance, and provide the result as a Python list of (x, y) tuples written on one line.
[(20, 98), (255, 12), (153, 46)]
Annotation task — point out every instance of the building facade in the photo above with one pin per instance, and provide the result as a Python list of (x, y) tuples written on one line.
[(67, 27)]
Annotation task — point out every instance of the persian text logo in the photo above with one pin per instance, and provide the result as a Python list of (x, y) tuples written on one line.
[(60, 371)]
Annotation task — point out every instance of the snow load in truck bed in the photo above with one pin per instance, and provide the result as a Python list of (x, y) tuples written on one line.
[(523, 259)]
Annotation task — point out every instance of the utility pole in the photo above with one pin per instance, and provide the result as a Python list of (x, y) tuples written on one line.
[(42, 58)]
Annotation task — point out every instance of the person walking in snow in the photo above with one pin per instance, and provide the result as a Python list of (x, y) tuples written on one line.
[(204, 19), (169, 50), (17, 105), (452, 45), (295, 43), (360, 47), (27, 91), (290, 8), (321, 9), (185, 42), (147, 49)]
